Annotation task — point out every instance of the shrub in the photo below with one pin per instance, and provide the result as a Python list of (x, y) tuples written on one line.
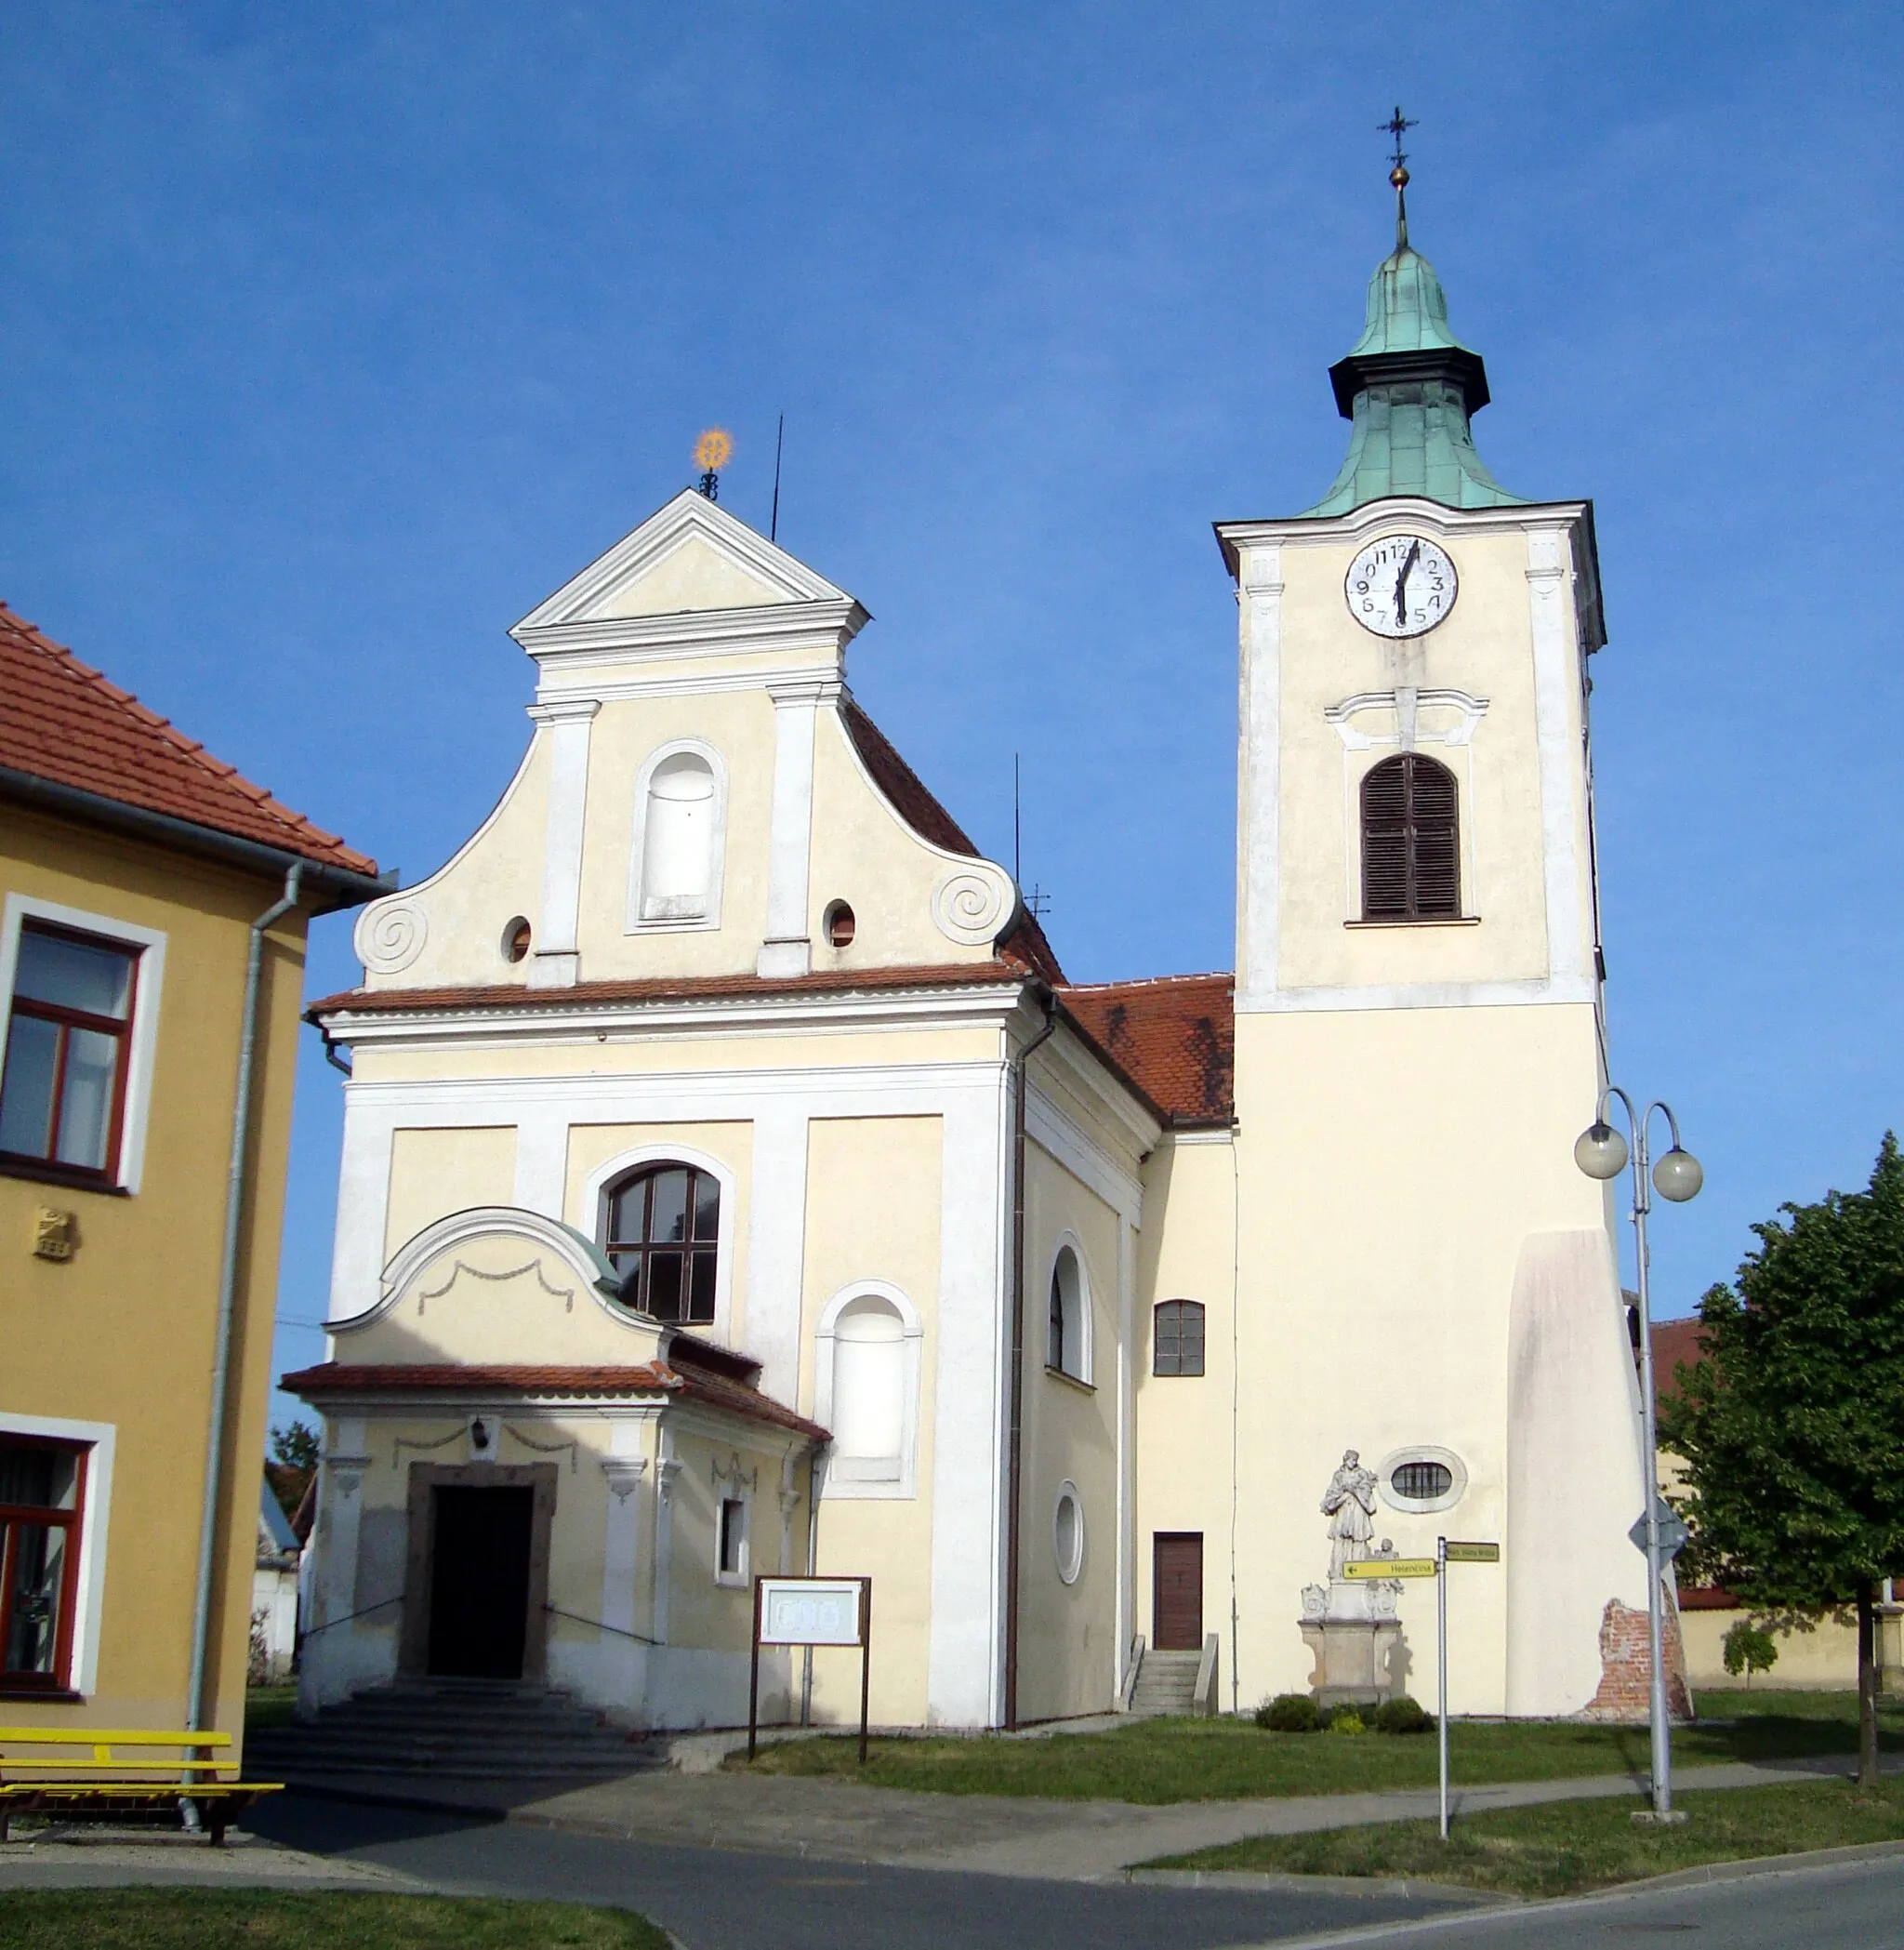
[(1290, 1713), (1345, 1719), (1401, 1715), (1750, 1649)]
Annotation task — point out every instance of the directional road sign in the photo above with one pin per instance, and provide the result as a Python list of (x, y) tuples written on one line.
[(1473, 1553), (1672, 1532), (1390, 1568)]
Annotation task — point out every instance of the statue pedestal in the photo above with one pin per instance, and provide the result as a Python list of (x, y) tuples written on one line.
[(1352, 1633), (1890, 1648)]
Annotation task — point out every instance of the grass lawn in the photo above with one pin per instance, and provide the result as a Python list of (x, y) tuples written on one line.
[(269, 1707), (268, 1919), (1564, 1847), (1157, 1761)]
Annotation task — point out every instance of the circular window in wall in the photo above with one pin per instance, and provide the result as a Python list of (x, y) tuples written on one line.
[(1067, 1532), (1423, 1479), (515, 939)]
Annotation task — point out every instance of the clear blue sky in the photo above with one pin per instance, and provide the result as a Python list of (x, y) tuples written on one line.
[(334, 339)]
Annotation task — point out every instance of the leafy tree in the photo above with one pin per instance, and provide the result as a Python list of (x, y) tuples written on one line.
[(1750, 1649), (1792, 1424), (296, 1446)]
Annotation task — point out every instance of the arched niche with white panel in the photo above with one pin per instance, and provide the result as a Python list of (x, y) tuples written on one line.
[(1067, 1311), (598, 1202), (677, 855), (865, 1391)]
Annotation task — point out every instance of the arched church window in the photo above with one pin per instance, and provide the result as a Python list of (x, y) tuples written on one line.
[(1410, 841), (661, 1225), (868, 1406), (1064, 1336), (678, 850), (1177, 1346)]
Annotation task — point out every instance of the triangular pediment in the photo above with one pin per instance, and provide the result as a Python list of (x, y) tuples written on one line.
[(688, 557)]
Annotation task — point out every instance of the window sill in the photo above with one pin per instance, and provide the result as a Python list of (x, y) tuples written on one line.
[(59, 1695), (72, 1177), (732, 1580), (1176, 1374), (1424, 920), (1070, 1381)]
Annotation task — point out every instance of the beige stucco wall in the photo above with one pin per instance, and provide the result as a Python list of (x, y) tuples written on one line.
[(122, 1333), (436, 1172)]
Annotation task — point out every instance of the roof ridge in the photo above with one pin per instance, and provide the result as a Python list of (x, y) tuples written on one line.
[(1214, 974)]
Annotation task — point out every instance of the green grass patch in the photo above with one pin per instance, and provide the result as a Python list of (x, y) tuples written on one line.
[(269, 1919), (269, 1707), (1562, 1848), (1160, 1760)]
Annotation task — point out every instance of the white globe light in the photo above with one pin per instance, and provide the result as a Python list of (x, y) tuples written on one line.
[(1678, 1176), (1600, 1151)]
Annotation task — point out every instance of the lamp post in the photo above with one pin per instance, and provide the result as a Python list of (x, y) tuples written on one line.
[(1602, 1153)]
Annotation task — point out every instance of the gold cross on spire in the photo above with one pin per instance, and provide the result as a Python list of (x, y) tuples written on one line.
[(1397, 125)]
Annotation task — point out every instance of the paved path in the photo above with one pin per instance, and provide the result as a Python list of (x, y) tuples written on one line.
[(998, 1834)]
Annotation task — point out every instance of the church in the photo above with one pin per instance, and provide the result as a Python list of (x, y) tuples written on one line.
[(733, 1182)]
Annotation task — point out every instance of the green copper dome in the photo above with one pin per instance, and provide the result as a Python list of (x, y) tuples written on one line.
[(1409, 389)]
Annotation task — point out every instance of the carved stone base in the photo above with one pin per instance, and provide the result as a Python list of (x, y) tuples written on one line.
[(1352, 1660)]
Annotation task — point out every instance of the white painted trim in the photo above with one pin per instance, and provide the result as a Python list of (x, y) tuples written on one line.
[(788, 950), (1125, 1597), (101, 1440), (716, 844), (841, 1480), (554, 961), (148, 988), (735, 1489), (690, 683), (1087, 1309), (1407, 511), (786, 628), (776, 1243), (1421, 995), (1342, 717), (1259, 836), (1420, 1452), (1562, 758), (1067, 1491), (1066, 1143), (595, 1186)]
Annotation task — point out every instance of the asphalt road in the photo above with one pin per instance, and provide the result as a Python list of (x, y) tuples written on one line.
[(715, 1900)]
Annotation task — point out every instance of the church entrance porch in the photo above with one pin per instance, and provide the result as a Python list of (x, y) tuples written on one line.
[(476, 1591)]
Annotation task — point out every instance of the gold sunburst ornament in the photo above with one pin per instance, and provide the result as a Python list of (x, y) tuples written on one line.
[(712, 452)]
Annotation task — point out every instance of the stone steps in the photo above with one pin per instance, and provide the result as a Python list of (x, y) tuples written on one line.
[(1166, 1683)]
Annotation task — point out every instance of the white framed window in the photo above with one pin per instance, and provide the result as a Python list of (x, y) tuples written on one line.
[(678, 855), (866, 1387), (79, 1016), (1422, 1478), (596, 1214), (56, 1491), (1067, 1532), (1067, 1312), (731, 1541)]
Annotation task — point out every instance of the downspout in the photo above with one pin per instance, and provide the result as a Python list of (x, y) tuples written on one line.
[(806, 1669), (228, 1290), (1016, 1408)]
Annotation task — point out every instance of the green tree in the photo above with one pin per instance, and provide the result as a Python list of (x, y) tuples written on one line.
[(296, 1446), (1792, 1424), (1750, 1649)]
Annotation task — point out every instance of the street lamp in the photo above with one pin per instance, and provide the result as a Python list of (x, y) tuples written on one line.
[(1602, 1153)]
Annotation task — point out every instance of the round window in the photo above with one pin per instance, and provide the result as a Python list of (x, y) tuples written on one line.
[(1067, 1532), (515, 939), (1423, 1479), (1423, 1482), (840, 925)]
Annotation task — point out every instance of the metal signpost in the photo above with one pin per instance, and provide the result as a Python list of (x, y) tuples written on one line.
[(1436, 1568), (795, 1611)]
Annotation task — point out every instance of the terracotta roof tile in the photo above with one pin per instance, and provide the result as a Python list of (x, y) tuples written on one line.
[(1674, 1341), (1175, 1036), (688, 1383), (61, 721)]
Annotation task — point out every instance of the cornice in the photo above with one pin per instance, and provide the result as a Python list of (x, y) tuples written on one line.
[(831, 624), (1315, 531)]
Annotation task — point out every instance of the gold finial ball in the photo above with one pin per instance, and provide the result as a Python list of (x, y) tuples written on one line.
[(1398, 177), (713, 449)]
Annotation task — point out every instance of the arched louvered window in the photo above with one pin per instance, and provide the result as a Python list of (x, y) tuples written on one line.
[(1177, 1347), (1410, 841), (663, 1224)]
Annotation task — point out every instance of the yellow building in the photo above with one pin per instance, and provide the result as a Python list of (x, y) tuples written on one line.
[(152, 915), (732, 1181)]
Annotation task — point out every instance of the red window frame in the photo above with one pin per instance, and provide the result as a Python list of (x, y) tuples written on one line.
[(13, 1518), (68, 1019)]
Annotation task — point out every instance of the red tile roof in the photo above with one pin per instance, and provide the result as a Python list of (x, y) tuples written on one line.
[(1674, 1341), (61, 721), (1175, 1036), (690, 1384)]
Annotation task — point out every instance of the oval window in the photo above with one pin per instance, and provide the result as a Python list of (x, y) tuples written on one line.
[(1421, 1481), (1422, 1477), (1067, 1532)]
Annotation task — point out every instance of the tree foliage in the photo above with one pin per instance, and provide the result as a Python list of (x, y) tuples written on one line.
[(295, 1445)]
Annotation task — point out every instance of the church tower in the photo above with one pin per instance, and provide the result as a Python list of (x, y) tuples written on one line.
[(1424, 1275)]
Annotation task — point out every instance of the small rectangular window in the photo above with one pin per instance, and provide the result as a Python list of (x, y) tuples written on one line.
[(734, 1537), (42, 1491), (1178, 1345), (69, 1041)]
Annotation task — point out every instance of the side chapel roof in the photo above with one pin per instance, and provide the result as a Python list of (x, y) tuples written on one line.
[(1173, 1036)]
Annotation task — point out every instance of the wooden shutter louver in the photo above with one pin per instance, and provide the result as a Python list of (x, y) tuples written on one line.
[(1410, 841)]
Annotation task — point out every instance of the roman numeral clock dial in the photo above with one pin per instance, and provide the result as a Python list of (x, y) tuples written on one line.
[(1402, 585)]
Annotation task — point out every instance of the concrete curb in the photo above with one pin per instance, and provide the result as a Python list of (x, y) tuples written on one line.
[(1270, 1882)]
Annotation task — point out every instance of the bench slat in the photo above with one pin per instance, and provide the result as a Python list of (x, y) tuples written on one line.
[(101, 1737), (144, 1767)]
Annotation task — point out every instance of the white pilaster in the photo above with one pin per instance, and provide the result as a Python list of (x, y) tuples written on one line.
[(776, 1248), (621, 1531), (788, 950), (542, 1162), (1260, 592), (666, 1470), (554, 961), (1126, 1450), (1556, 669), (363, 1198)]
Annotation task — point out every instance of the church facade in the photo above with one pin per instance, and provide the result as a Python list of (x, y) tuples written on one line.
[(733, 1182)]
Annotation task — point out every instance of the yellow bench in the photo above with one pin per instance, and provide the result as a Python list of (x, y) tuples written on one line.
[(106, 1784)]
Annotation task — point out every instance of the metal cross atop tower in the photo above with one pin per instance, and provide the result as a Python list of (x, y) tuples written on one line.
[(1397, 125)]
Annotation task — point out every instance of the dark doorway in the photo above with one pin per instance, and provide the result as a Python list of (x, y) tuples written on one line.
[(1176, 1591), (479, 1581)]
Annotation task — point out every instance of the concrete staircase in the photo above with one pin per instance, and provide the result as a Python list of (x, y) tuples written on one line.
[(456, 1729), (1166, 1683)]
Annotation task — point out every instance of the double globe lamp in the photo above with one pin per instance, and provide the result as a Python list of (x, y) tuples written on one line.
[(1601, 1153)]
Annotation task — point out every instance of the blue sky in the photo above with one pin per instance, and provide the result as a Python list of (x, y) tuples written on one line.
[(333, 340)]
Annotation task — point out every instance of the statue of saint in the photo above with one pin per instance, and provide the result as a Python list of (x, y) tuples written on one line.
[(1349, 1503)]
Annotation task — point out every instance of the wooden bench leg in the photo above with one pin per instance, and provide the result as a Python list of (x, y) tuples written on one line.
[(215, 1819)]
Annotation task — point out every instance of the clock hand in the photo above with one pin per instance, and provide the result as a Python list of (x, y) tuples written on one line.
[(1401, 585)]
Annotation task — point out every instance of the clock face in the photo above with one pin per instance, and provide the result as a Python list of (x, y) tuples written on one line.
[(1402, 585)]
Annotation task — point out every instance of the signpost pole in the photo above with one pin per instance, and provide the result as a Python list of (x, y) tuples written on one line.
[(865, 1660), (754, 1676), (1441, 1660)]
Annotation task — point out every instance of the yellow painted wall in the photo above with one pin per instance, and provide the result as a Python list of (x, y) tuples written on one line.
[(122, 1332), (435, 1173)]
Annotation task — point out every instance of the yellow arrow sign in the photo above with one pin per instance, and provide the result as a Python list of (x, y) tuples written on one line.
[(1474, 1553), (1390, 1568)]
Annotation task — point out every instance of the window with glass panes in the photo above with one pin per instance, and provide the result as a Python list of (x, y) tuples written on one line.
[(662, 1226), (1178, 1348), (42, 1488), (69, 1039)]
